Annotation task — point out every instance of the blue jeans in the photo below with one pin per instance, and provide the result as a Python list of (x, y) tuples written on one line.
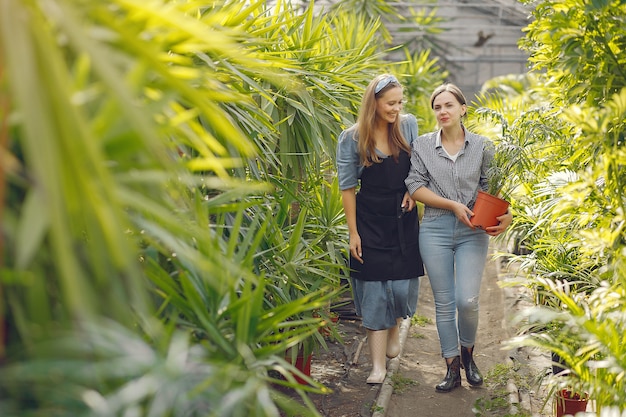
[(454, 256)]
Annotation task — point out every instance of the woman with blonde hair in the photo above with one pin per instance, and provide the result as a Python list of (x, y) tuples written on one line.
[(373, 160)]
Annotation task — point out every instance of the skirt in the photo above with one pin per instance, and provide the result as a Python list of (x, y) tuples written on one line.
[(381, 303)]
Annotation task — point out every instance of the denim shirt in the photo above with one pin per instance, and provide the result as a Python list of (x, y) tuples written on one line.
[(459, 180), (349, 168)]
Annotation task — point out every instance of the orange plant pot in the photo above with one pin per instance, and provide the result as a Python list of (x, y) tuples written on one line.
[(569, 403), (486, 209)]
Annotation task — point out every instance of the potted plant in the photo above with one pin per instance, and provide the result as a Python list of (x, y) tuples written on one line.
[(314, 328), (490, 204), (301, 357), (569, 402), (568, 347), (569, 396), (512, 144)]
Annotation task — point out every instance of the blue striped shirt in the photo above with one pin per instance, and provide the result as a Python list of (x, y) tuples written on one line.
[(459, 180), (349, 168)]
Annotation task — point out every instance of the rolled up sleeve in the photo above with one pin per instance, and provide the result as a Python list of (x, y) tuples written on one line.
[(347, 161), (418, 174), (409, 128)]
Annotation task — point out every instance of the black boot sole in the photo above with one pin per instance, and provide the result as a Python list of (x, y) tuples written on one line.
[(449, 389)]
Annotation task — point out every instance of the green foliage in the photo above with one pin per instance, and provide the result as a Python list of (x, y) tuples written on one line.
[(569, 204), (307, 106), (420, 73), (400, 383), (523, 130), (587, 335), (419, 320), (105, 370), (128, 139), (581, 45), (497, 402), (171, 226)]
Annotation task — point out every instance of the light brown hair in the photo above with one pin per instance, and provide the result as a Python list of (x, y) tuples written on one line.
[(451, 88), (367, 119)]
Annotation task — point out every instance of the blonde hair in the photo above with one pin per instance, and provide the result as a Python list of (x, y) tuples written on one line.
[(367, 119)]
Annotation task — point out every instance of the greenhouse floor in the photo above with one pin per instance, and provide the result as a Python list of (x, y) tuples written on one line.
[(512, 375)]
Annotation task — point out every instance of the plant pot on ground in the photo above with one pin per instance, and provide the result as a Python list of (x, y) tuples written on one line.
[(301, 360), (570, 395), (300, 355), (567, 402)]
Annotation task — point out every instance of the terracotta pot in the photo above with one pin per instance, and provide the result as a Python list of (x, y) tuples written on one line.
[(486, 209), (302, 364), (569, 403)]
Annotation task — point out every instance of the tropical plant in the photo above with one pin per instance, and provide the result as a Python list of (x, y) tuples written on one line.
[(169, 218), (419, 74), (569, 207), (589, 273), (515, 130), (575, 42), (123, 203), (587, 335), (307, 113), (374, 12)]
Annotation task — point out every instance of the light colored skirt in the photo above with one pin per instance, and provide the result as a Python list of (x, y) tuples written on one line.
[(381, 303)]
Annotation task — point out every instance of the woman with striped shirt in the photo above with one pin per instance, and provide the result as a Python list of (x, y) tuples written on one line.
[(448, 167)]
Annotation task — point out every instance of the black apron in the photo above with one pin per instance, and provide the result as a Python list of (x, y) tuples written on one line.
[(389, 237)]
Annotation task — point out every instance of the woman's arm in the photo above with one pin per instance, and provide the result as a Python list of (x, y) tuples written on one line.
[(431, 199), (348, 199)]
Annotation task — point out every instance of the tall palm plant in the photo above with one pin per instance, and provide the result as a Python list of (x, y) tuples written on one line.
[(106, 103), (154, 153), (420, 73), (309, 110)]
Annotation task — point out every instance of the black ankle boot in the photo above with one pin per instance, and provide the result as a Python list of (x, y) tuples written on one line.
[(453, 376), (472, 374)]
